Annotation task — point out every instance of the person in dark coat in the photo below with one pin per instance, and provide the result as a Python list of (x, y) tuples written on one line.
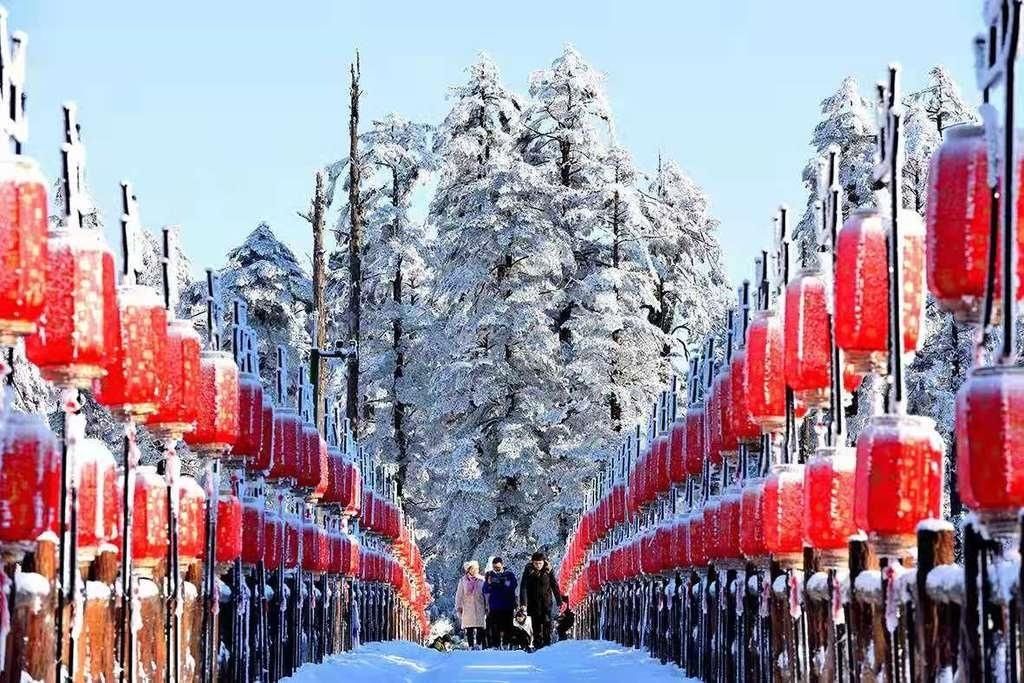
[(500, 588), (536, 589)]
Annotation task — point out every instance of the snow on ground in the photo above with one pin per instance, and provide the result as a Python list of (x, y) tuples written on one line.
[(572, 660)]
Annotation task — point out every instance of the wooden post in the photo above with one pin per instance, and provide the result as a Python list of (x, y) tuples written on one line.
[(820, 631), (936, 632), (152, 657), (33, 639), (861, 626)]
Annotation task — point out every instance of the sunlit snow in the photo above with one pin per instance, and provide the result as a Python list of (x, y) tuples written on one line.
[(574, 660)]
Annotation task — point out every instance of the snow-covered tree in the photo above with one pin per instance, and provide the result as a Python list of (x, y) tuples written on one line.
[(496, 387), (398, 156), (687, 256), (264, 273), (848, 122)]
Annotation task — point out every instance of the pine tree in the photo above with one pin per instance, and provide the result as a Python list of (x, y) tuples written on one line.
[(496, 387), (848, 123), (264, 273)]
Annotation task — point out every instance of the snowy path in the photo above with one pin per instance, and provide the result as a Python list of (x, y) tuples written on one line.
[(567, 661)]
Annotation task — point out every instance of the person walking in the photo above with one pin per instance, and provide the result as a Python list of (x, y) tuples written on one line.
[(470, 604), (500, 589), (536, 589)]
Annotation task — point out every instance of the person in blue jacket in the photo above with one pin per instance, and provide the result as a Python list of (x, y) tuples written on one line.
[(500, 589)]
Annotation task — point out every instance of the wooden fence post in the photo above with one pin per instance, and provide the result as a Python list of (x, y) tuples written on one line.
[(936, 632)]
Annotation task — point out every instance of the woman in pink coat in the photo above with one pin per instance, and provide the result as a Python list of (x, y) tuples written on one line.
[(471, 605)]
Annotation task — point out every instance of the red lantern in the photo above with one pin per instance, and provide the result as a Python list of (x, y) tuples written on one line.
[(287, 441), (723, 386), (710, 529), (292, 536), (179, 386), (217, 421), (191, 520), (862, 287), (763, 371), (316, 549), (250, 418), (958, 224), (351, 565), (729, 525), (782, 503), (132, 387), (713, 422), (898, 479), (273, 540), (70, 343), (747, 431), (681, 542), (808, 339), (695, 440), (990, 445), (99, 499), (29, 481), (229, 528), (677, 453), (149, 528), (23, 248), (312, 475), (752, 538), (828, 503), (253, 541), (263, 461), (698, 539), (661, 461)]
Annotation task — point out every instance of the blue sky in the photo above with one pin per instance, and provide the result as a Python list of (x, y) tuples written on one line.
[(220, 111)]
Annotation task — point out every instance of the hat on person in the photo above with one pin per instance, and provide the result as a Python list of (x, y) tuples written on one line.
[(538, 557), (471, 563)]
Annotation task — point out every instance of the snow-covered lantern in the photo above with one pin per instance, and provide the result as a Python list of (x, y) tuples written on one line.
[(617, 504), (149, 528), (782, 504), (744, 428), (353, 491), (752, 537), (263, 461), (828, 502), (216, 429), (132, 387), (253, 539), (71, 340), (312, 474), (723, 387), (695, 439), (677, 451), (29, 481), (179, 387), (713, 422), (729, 524), (764, 378), (316, 548), (250, 418), (649, 551), (191, 520), (23, 247), (958, 225), (681, 541), (862, 287), (99, 499), (660, 464), (698, 538), (292, 538), (229, 528), (351, 556), (990, 446), (273, 540), (808, 338), (287, 442), (898, 480)]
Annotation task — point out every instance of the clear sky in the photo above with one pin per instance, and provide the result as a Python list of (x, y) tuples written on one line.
[(219, 111)]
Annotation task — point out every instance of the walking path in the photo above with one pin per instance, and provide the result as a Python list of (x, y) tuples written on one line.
[(565, 662)]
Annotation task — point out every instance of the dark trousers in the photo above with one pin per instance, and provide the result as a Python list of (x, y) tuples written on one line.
[(541, 634), (499, 626), (474, 636)]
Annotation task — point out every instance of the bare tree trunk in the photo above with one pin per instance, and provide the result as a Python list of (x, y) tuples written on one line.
[(614, 406), (315, 216), (355, 262), (399, 407)]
